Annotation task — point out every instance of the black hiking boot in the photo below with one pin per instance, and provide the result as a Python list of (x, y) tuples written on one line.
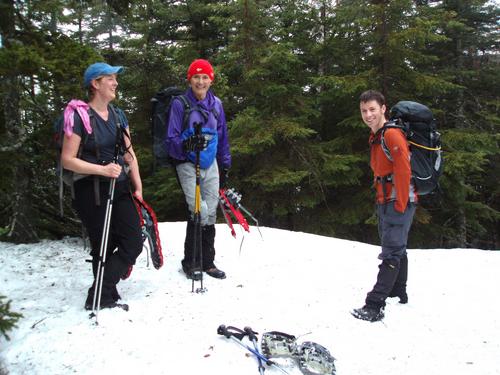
[(191, 274), (115, 295), (403, 297), (107, 302), (215, 272), (368, 313)]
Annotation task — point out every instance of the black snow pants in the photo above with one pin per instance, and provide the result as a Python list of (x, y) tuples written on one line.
[(393, 231)]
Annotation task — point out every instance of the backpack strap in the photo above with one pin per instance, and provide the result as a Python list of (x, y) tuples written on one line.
[(188, 109), (93, 122), (119, 143), (85, 137), (378, 138), (119, 147), (393, 124)]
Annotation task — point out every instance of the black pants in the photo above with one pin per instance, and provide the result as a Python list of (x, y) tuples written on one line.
[(192, 257), (393, 231), (125, 232)]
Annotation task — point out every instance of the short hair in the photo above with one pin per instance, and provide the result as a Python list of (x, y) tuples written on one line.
[(372, 95)]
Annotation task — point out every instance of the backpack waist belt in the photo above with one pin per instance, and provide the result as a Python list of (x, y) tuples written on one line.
[(389, 178)]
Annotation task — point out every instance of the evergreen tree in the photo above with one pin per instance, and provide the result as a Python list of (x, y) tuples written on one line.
[(469, 115), (289, 73), (41, 73), (274, 142), (8, 318)]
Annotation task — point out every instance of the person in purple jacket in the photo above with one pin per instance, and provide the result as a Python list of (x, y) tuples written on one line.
[(215, 160)]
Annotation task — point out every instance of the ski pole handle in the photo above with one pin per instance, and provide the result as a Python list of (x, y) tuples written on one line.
[(252, 335), (197, 128), (226, 331)]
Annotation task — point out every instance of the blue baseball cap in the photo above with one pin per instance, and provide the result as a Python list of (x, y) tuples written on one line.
[(98, 70)]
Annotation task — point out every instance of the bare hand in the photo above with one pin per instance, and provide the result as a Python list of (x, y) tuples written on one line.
[(112, 170), (138, 195)]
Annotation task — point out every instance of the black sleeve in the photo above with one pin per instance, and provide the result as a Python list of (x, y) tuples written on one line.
[(78, 127)]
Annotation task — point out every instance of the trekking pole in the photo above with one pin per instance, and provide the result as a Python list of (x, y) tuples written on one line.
[(253, 337), (226, 332), (96, 302), (197, 248)]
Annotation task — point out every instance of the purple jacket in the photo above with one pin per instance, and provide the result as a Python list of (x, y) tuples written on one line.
[(214, 128)]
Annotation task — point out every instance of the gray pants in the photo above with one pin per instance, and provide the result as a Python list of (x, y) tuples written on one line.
[(209, 189), (393, 228)]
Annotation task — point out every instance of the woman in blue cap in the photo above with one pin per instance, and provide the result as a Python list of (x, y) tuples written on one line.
[(94, 132)]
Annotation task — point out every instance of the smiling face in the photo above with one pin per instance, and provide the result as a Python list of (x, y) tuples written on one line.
[(200, 84), (373, 114), (105, 87)]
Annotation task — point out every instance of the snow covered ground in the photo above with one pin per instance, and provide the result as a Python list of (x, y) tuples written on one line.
[(292, 282)]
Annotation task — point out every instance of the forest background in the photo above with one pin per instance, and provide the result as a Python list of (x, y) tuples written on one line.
[(289, 74)]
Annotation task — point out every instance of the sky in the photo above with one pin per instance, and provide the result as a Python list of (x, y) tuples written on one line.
[(298, 283)]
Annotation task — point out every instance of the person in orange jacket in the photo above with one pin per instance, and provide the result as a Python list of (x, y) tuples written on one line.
[(396, 203)]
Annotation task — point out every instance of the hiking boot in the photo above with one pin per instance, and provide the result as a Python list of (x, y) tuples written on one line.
[(108, 305), (191, 274), (106, 301), (403, 297), (115, 295), (215, 272), (368, 313)]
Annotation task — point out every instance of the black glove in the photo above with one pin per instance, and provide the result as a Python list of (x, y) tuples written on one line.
[(196, 142), (223, 176)]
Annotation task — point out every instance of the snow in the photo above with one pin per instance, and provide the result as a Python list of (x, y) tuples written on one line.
[(292, 282)]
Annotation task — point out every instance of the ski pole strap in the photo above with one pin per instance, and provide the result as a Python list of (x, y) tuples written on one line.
[(252, 335), (231, 331)]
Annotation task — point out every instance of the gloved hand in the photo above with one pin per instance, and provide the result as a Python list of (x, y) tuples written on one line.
[(223, 177), (196, 142)]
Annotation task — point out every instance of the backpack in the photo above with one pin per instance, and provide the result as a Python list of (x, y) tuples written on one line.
[(160, 108), (67, 177), (417, 122)]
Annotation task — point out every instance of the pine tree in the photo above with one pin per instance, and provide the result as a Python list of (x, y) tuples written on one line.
[(271, 133), (469, 114), (8, 318)]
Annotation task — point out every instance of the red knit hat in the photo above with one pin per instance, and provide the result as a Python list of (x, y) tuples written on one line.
[(200, 66)]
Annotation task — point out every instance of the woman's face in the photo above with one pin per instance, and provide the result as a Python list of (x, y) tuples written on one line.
[(200, 84), (105, 87)]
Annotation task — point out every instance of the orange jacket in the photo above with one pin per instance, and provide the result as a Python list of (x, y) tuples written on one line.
[(399, 168)]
